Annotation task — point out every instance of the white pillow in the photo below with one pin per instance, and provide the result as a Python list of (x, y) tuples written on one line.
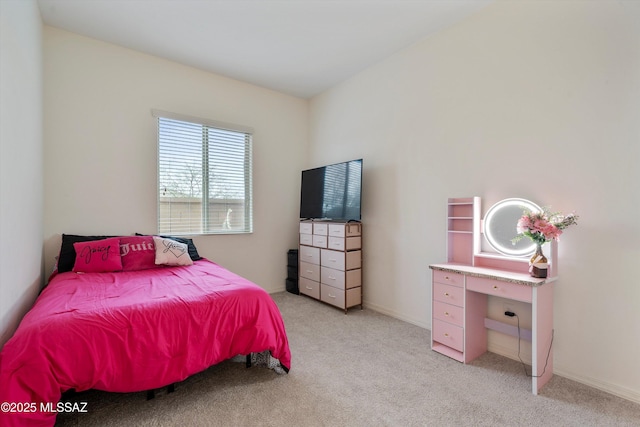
[(170, 252)]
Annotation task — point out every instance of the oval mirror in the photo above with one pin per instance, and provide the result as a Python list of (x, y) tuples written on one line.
[(500, 226)]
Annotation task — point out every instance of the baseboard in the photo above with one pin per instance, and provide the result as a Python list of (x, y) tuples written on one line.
[(510, 353), (396, 315), (610, 388), (276, 289), (615, 389)]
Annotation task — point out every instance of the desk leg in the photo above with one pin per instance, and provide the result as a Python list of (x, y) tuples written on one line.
[(542, 333), (475, 334)]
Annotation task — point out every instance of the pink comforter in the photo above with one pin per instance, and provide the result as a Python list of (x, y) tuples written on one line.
[(132, 331)]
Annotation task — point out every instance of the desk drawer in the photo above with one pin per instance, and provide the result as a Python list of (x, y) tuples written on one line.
[(500, 289), (448, 334), (306, 239), (447, 278), (306, 228), (448, 313), (449, 294)]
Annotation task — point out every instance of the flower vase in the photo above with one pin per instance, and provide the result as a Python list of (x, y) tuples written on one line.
[(538, 266)]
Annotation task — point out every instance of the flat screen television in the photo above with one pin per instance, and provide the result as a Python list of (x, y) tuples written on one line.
[(332, 192)]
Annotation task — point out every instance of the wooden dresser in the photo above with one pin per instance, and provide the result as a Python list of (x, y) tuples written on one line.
[(330, 265)]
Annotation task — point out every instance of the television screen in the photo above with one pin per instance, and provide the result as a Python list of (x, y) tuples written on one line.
[(332, 192)]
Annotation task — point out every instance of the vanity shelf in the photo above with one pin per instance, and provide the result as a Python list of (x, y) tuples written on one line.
[(462, 229)]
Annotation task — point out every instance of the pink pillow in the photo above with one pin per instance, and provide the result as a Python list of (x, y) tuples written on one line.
[(98, 256), (137, 252), (170, 252)]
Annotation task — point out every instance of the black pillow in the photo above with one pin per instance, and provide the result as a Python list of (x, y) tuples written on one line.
[(67, 256), (193, 252)]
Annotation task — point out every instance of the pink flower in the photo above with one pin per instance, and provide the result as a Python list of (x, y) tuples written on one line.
[(524, 223), (551, 232), (543, 226)]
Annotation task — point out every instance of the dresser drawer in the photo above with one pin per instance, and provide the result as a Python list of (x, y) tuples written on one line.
[(448, 313), (340, 298), (449, 294), (340, 260), (306, 228), (341, 279), (309, 254), (310, 271), (344, 243), (320, 228), (500, 289), (447, 278), (332, 277), (319, 241), (306, 239), (331, 295), (309, 287), (448, 334), (350, 229)]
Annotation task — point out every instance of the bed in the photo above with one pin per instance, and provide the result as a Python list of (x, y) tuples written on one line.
[(132, 329)]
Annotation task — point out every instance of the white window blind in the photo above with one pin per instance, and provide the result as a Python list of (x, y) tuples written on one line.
[(204, 176)]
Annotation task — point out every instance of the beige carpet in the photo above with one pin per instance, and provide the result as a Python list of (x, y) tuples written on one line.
[(362, 369)]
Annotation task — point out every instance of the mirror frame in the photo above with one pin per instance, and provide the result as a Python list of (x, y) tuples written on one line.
[(487, 230)]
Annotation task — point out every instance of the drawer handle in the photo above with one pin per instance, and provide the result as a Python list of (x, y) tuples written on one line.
[(446, 313), (446, 294), (446, 335), (446, 278), (332, 278), (309, 271), (309, 287), (331, 296), (333, 260), (495, 286)]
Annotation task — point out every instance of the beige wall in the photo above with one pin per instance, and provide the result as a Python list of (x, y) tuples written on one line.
[(20, 161), (524, 99), (100, 149)]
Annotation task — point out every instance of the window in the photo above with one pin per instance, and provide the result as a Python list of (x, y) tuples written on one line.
[(204, 176)]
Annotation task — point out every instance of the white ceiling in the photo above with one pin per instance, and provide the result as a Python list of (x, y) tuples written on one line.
[(299, 47)]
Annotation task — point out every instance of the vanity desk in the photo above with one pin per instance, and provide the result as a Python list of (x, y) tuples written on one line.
[(460, 323), (461, 288)]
